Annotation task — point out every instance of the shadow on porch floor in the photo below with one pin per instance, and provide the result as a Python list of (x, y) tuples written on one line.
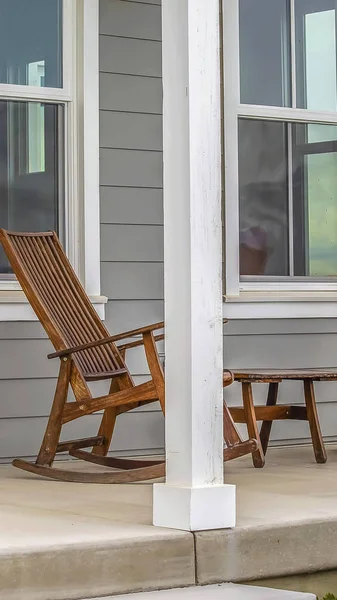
[(79, 540)]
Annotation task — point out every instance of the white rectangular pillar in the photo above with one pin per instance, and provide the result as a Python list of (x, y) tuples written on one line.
[(194, 496)]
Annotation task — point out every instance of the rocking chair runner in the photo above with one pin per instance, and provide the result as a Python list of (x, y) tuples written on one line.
[(87, 353)]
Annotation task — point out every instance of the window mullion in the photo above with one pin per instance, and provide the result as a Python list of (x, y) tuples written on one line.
[(290, 201), (296, 115), (35, 94)]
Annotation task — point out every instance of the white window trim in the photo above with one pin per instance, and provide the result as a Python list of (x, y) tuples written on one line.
[(265, 298), (80, 93)]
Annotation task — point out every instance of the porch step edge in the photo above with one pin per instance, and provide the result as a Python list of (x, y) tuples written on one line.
[(247, 554), (100, 568), (226, 591)]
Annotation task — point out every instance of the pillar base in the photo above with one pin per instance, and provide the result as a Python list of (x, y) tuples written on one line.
[(194, 509)]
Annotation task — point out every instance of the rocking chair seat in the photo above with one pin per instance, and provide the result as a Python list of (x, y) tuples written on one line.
[(104, 375)]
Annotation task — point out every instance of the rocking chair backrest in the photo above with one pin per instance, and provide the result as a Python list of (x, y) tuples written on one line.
[(59, 300)]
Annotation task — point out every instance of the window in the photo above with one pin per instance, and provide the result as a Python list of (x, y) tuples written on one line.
[(280, 132), (49, 133)]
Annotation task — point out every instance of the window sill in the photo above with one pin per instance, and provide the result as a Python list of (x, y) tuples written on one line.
[(14, 306), (283, 305)]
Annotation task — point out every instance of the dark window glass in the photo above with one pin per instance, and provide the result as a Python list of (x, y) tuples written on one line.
[(30, 188), (263, 198), (31, 42), (265, 52), (288, 199), (316, 64), (315, 200)]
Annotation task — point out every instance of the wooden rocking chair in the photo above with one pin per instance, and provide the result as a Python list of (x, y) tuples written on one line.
[(87, 353)]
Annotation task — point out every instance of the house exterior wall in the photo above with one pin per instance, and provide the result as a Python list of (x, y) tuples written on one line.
[(131, 238), (132, 264), (131, 188)]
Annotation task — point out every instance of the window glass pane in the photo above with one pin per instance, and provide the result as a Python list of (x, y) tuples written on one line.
[(315, 200), (31, 42), (29, 168), (316, 54), (265, 52), (288, 199), (263, 184)]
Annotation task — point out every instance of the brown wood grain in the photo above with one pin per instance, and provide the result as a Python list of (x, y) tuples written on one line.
[(316, 434), (266, 426), (270, 375), (253, 432)]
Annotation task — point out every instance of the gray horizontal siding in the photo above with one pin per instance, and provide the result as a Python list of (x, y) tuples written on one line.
[(133, 281), (292, 350), (21, 331), (26, 359), (124, 19), (131, 168), (261, 327), (122, 315), (129, 205), (127, 130), (132, 243), (147, 1), (130, 56), (131, 188), (131, 93)]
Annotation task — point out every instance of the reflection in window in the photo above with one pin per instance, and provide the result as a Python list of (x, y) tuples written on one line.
[(31, 42), (288, 199), (315, 199), (36, 73), (316, 54), (265, 52), (263, 198), (30, 189), (36, 137), (266, 75)]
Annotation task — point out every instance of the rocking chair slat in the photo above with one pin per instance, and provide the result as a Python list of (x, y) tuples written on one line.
[(88, 353)]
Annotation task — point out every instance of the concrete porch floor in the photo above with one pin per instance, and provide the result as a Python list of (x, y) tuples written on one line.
[(70, 541)]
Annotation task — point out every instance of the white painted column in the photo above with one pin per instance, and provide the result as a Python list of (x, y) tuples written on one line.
[(194, 496)]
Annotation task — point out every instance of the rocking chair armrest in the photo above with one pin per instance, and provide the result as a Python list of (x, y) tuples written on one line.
[(228, 378), (113, 338), (141, 330), (157, 338)]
